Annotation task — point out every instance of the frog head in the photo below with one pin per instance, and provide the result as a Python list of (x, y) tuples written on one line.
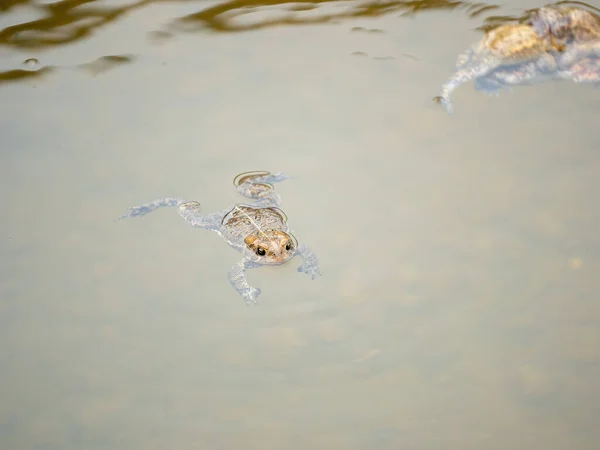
[(270, 247)]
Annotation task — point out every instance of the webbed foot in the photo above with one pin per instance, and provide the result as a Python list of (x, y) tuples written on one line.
[(309, 269), (310, 263), (237, 278), (249, 295)]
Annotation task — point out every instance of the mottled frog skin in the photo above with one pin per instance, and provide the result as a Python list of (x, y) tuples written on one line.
[(586, 70), (258, 230), (575, 28), (575, 31), (504, 46)]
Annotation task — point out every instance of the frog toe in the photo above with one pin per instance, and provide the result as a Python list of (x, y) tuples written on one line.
[(250, 295), (311, 270)]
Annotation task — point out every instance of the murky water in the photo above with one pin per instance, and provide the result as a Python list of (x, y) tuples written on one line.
[(458, 307)]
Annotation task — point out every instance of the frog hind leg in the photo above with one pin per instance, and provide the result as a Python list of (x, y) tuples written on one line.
[(191, 213), (142, 210), (310, 263), (258, 185)]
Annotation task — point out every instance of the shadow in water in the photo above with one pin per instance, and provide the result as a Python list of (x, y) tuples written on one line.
[(67, 21), (63, 22)]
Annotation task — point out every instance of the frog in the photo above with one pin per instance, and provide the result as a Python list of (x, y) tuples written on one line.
[(258, 229), (576, 28), (576, 31), (504, 46)]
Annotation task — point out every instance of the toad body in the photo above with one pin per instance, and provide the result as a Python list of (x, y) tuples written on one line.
[(576, 31), (506, 46), (259, 230)]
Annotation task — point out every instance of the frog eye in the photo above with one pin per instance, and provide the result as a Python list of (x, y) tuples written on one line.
[(260, 251), (288, 245)]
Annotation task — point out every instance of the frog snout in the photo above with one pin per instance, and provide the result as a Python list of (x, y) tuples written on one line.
[(281, 256)]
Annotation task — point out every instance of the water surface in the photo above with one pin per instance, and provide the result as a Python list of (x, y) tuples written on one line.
[(458, 307)]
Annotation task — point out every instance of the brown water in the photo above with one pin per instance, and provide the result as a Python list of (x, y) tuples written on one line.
[(458, 307)]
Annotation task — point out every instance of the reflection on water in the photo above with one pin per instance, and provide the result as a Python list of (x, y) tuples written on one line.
[(224, 17), (21, 74), (67, 21), (63, 22)]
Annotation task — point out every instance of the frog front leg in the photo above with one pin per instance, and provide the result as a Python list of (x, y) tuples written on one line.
[(310, 264), (237, 278), (142, 210)]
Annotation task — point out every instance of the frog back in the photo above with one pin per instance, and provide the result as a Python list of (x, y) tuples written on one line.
[(243, 220), (513, 43)]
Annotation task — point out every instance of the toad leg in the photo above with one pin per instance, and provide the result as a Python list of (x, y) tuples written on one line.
[(142, 210), (237, 278), (258, 185), (189, 211), (310, 264)]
